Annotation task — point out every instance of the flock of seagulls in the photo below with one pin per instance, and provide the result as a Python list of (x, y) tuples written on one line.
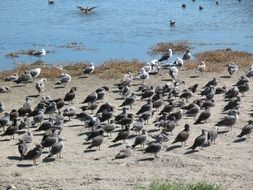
[(161, 107)]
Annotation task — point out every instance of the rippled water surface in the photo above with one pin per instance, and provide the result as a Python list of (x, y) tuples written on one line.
[(120, 29)]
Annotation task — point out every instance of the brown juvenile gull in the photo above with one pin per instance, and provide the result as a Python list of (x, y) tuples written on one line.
[(183, 135), (200, 140), (34, 154), (125, 152)]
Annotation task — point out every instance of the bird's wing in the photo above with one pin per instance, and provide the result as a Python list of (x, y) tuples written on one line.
[(91, 8)]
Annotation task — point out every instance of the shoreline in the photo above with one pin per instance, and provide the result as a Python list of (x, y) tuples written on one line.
[(215, 60)]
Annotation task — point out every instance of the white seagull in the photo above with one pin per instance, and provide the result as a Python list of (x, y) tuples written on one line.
[(35, 72), (89, 69), (173, 72), (64, 79), (143, 76), (40, 53), (40, 85)]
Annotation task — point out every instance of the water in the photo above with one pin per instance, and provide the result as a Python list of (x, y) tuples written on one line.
[(120, 29)]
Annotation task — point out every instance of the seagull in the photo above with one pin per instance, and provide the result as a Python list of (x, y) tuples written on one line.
[(201, 7), (166, 56), (179, 62), (86, 9), (89, 70), (40, 85), (35, 72), (40, 53), (56, 148), (201, 67), (2, 107), (232, 68), (4, 89), (200, 140), (13, 78), (187, 55), (172, 23), (51, 2), (64, 79), (22, 148), (173, 72), (247, 129), (183, 135), (143, 76), (34, 154), (124, 153)]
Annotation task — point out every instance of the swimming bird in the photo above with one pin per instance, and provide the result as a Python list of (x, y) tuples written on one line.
[(129, 101), (183, 6), (97, 141), (247, 129), (140, 139), (34, 154), (201, 7), (56, 148), (172, 23), (124, 153), (200, 140), (86, 9), (183, 135), (166, 56), (64, 79), (88, 70), (22, 148), (40, 85), (50, 2), (40, 53), (232, 68), (35, 72), (187, 55)]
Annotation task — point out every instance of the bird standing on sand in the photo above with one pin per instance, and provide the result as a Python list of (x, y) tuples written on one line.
[(11, 130), (247, 129), (173, 72), (2, 108), (122, 135), (22, 148), (212, 135), (64, 79), (129, 101), (70, 95), (155, 147), (183, 135), (97, 141), (203, 116), (143, 75), (34, 154), (40, 85), (232, 68), (56, 148), (201, 67), (200, 140), (229, 120), (5, 120), (140, 139), (124, 153)]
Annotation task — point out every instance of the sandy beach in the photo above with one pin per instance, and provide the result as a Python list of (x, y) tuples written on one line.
[(228, 162)]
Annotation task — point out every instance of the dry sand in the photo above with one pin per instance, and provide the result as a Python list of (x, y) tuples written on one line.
[(226, 162)]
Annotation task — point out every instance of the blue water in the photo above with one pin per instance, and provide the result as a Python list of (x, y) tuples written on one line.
[(120, 29)]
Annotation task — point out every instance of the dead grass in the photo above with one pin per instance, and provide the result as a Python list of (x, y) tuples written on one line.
[(217, 60), (178, 47), (20, 52), (77, 46), (109, 69)]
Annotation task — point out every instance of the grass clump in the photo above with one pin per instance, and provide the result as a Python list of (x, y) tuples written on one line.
[(20, 52), (158, 185), (115, 68), (218, 60), (162, 47)]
